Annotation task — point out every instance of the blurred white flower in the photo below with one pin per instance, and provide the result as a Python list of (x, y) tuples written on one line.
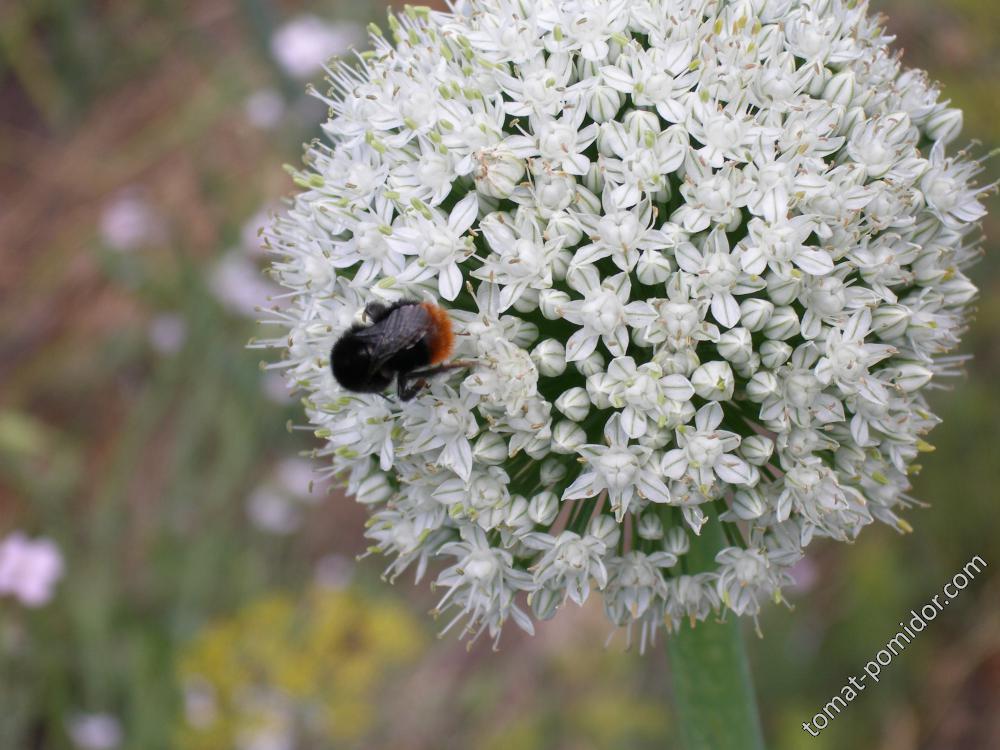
[(297, 476), (29, 569), (306, 43), (200, 705), (97, 731), (278, 505), (167, 333), (275, 389), (128, 221), (264, 108), (251, 232), (334, 571), (273, 512), (240, 285), (707, 258)]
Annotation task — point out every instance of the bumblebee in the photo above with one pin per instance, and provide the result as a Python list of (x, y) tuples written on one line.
[(407, 341)]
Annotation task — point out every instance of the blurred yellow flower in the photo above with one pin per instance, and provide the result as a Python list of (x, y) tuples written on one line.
[(288, 672)]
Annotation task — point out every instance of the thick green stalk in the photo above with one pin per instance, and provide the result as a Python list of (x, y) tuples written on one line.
[(710, 673)]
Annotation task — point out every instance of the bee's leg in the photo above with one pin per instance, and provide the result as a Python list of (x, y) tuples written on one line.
[(407, 392), (375, 311), (430, 372)]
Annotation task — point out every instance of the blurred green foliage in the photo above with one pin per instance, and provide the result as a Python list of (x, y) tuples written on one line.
[(138, 461)]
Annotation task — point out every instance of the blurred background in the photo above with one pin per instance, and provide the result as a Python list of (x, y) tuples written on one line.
[(194, 591)]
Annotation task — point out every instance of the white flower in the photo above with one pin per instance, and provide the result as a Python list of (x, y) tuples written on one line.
[(438, 244), (704, 261), (717, 276), (569, 563), (482, 584), (706, 452), (623, 470), (29, 569), (603, 314)]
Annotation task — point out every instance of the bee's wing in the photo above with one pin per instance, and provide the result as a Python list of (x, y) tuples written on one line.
[(399, 330)]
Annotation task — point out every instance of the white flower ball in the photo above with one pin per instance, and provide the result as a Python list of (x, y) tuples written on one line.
[(706, 257)]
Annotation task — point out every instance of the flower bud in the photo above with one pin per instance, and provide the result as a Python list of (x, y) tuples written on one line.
[(606, 529), (682, 362), (550, 358), (597, 391), (649, 526), (543, 508), (944, 125), (840, 88), (641, 123), (554, 192), (653, 268), (912, 377), (549, 300), (552, 471), (783, 324), (545, 602), (591, 365), (490, 448), (755, 313), (498, 171), (757, 449), (604, 104), (783, 290), (517, 513), (562, 259), (574, 403), (748, 504), (762, 385), (527, 302), (748, 368), (374, 489), (735, 345), (593, 181), (714, 381), (567, 437), (957, 291), (676, 542), (773, 354)]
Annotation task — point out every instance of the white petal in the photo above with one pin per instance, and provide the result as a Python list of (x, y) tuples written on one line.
[(586, 485), (581, 345), (652, 487), (450, 281), (733, 469), (816, 262), (725, 309), (464, 213), (674, 463)]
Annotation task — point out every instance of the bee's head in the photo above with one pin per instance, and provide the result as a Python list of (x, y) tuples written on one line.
[(352, 363)]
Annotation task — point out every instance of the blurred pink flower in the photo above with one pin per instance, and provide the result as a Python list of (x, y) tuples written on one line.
[(239, 285), (275, 389), (273, 512), (29, 569), (128, 221), (298, 477), (264, 108), (804, 575), (305, 43), (167, 333), (250, 233), (95, 731), (334, 572)]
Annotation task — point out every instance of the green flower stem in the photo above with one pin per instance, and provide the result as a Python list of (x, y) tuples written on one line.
[(710, 673)]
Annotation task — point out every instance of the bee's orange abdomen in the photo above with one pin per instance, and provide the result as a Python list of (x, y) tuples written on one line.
[(441, 339)]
